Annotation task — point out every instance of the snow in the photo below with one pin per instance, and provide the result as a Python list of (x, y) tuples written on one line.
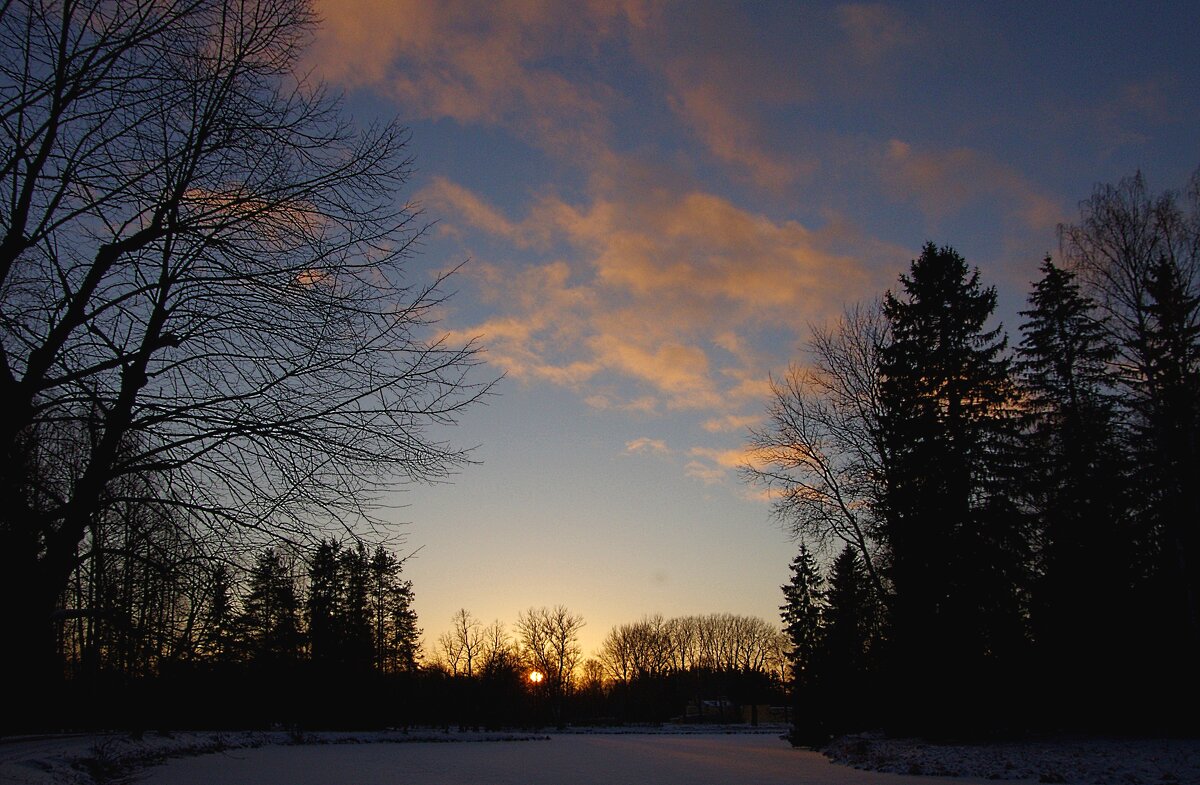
[(661, 756), (1078, 761)]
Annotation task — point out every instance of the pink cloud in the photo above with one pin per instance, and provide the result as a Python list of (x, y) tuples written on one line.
[(942, 182), (474, 62), (657, 296)]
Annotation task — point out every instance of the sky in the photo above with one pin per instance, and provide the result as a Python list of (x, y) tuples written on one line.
[(656, 201)]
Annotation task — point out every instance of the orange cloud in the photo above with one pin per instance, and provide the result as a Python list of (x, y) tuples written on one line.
[(474, 62), (731, 422), (647, 445), (714, 465), (659, 291), (943, 182), (731, 134)]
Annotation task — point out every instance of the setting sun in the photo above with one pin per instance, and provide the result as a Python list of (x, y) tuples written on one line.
[(536, 677)]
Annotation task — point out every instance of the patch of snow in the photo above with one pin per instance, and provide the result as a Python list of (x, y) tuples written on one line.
[(85, 759), (1074, 761)]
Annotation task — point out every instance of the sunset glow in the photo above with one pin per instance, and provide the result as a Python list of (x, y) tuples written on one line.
[(656, 201)]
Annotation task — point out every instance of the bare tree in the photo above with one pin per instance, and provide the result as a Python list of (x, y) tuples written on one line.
[(498, 652), (636, 650), (202, 278), (820, 455), (549, 640), (462, 646)]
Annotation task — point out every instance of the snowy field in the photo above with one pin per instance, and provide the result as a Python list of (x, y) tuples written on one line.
[(706, 758)]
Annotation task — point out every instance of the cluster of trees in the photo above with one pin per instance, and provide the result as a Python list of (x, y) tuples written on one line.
[(833, 628), (208, 336), (658, 669), (225, 638), (726, 642), (650, 670), (1025, 536)]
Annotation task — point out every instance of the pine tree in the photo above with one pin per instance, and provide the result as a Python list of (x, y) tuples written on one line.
[(324, 603), (1138, 254), (1074, 482), (843, 660), (849, 616), (804, 603), (219, 614), (952, 532), (356, 618), (394, 622), (1171, 412), (270, 620)]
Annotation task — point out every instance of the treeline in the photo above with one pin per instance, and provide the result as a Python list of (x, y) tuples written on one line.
[(154, 631), (1018, 525), (711, 668)]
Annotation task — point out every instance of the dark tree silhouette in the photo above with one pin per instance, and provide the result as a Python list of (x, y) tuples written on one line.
[(357, 617), (849, 632), (803, 614), (323, 606), (202, 276), (1074, 481), (269, 626), (396, 636), (821, 453), (1138, 254), (953, 540)]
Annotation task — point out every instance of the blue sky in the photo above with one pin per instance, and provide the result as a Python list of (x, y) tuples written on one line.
[(657, 200)]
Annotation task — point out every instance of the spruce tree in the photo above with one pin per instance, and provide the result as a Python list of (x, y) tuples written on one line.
[(952, 532), (1074, 486), (849, 616), (1171, 413), (356, 618), (270, 620), (394, 622), (324, 603), (804, 601), (846, 645)]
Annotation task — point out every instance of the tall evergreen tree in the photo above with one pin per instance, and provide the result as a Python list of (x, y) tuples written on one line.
[(1073, 481), (1172, 425), (801, 612), (356, 621), (395, 633), (848, 635), (270, 623), (1139, 254), (951, 530), (849, 616), (323, 605), (220, 616)]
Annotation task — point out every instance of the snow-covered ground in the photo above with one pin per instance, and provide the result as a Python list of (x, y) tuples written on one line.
[(663, 757), (1064, 760)]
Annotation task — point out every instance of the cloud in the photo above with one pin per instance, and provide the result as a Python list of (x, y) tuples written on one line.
[(647, 445), (732, 135), (655, 298), (724, 90), (713, 465), (731, 422), (472, 62), (942, 182)]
